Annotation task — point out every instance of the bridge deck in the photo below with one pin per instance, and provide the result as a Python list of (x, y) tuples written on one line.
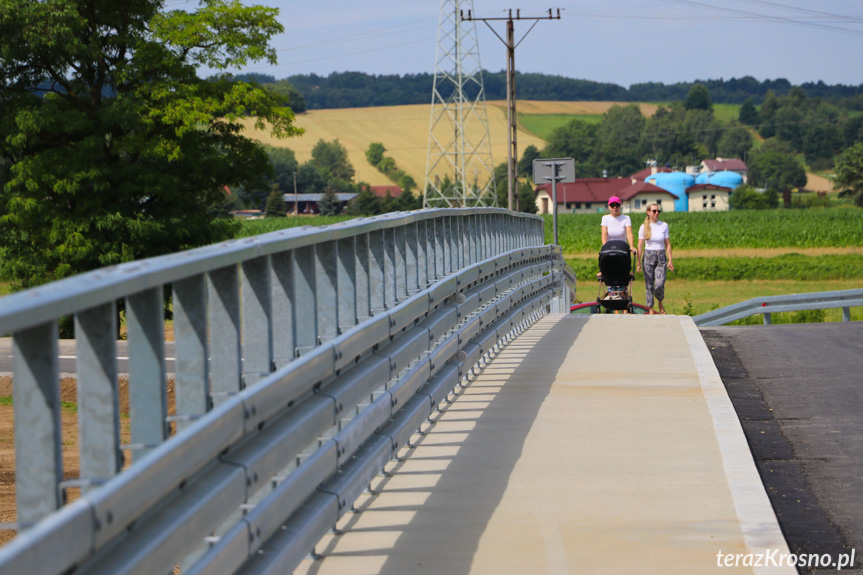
[(590, 444)]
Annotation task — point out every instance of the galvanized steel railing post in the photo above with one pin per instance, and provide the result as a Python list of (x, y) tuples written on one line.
[(400, 272), (412, 257), (377, 270), (36, 397), (192, 373), (257, 320), (390, 280), (326, 281), (100, 457), (223, 302), (282, 308), (148, 402), (346, 282), (305, 303), (363, 276)]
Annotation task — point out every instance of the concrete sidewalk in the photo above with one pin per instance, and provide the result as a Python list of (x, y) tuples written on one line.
[(590, 444)]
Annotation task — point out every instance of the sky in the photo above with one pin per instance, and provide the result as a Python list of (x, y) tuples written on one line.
[(623, 42)]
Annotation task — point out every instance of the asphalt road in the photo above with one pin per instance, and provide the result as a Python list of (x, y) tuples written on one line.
[(798, 391), (66, 350)]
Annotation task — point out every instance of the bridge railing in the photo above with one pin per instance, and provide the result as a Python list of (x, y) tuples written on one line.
[(304, 360), (768, 305)]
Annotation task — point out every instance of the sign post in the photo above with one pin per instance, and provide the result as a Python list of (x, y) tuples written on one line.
[(554, 170)]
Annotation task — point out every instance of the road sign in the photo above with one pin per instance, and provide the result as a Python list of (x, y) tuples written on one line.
[(544, 170)]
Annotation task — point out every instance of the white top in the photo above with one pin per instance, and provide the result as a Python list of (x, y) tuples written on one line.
[(658, 235), (616, 226)]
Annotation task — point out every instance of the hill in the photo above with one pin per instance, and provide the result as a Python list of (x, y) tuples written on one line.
[(403, 130), (358, 89)]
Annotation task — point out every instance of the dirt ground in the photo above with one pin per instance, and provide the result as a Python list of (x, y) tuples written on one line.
[(69, 420)]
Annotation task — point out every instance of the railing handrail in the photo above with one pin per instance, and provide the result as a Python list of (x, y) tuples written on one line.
[(441, 290), (71, 295), (767, 305)]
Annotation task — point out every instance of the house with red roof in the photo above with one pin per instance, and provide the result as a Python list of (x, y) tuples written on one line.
[(590, 195), (382, 191)]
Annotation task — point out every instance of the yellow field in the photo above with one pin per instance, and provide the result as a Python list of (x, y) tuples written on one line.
[(403, 130), (575, 108)]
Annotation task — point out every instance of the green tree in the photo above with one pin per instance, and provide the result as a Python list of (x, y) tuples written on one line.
[(619, 134), (525, 162), (735, 142), (666, 139), (288, 95), (577, 140), (407, 183), (773, 165), (748, 114), (331, 159), (526, 198), (364, 204), (408, 201), (310, 180), (375, 153), (285, 165), (767, 114), (849, 174), (789, 125), (275, 206), (125, 152), (698, 98), (748, 198), (329, 204), (388, 204), (705, 129)]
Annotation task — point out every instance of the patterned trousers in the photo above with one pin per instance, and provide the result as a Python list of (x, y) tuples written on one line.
[(654, 264)]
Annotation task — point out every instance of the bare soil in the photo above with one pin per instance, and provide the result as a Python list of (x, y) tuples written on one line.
[(69, 435)]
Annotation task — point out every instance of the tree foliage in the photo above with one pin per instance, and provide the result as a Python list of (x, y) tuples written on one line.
[(357, 90), (331, 160), (275, 206), (115, 149), (748, 198), (774, 166), (525, 162), (849, 174), (698, 98), (748, 114), (329, 204)]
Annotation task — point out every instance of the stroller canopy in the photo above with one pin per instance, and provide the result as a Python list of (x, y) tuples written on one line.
[(615, 263)]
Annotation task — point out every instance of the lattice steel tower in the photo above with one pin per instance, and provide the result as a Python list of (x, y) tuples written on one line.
[(459, 169)]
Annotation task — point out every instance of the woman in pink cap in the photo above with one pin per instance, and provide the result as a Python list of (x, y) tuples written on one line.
[(616, 226)]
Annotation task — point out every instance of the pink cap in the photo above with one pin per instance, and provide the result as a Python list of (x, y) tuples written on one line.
[(614, 200)]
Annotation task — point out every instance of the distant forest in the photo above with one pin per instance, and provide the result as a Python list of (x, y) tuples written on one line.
[(360, 90)]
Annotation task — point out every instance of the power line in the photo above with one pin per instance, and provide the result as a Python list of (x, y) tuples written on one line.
[(766, 17)]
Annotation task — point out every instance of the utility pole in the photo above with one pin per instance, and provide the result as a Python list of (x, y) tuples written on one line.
[(296, 197), (511, 45)]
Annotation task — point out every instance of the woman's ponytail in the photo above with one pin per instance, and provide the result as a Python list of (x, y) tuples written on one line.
[(647, 229)]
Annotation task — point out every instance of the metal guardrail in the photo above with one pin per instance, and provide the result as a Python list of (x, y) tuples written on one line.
[(305, 359), (846, 299)]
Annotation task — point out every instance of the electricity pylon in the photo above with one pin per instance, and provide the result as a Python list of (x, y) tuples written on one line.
[(459, 168)]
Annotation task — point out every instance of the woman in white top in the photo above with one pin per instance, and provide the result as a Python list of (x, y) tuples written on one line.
[(654, 246), (616, 226)]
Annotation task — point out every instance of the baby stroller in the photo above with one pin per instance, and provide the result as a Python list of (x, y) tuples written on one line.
[(615, 277)]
